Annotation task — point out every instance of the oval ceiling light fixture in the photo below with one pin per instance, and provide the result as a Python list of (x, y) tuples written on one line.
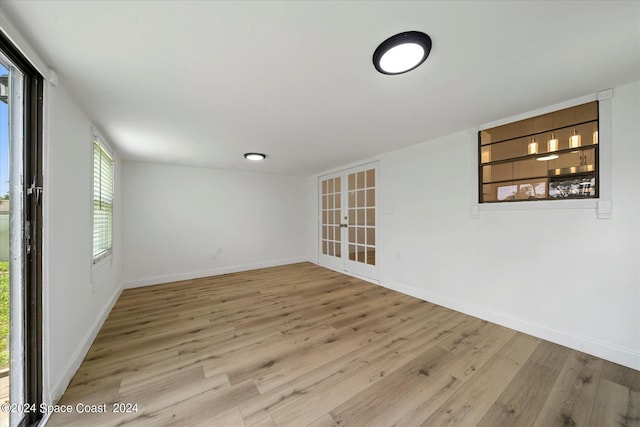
[(256, 157), (402, 52), (549, 157)]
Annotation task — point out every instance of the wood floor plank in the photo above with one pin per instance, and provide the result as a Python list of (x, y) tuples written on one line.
[(325, 421), (474, 398), (300, 361), (382, 402), (364, 332), (615, 405), (479, 349), (263, 352), (410, 389), (262, 422), (300, 345), (424, 402), (571, 399), (322, 377), (197, 409), (621, 375), (92, 393), (551, 355), (229, 418), (170, 389), (312, 402), (520, 403)]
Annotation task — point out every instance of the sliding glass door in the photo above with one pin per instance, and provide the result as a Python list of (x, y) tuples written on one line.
[(20, 236)]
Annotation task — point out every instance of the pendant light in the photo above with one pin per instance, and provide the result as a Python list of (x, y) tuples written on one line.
[(552, 145), (574, 140), (533, 147)]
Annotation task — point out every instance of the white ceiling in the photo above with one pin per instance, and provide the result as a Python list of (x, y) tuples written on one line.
[(201, 82)]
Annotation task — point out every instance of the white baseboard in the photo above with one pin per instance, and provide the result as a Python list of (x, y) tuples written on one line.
[(357, 276), (70, 369), (614, 353), (608, 351), (157, 280)]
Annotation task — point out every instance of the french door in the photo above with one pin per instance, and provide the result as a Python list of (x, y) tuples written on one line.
[(347, 232)]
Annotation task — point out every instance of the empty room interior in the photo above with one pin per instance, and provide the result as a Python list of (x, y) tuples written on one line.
[(311, 213)]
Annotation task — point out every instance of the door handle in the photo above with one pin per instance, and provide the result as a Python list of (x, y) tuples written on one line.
[(344, 225)]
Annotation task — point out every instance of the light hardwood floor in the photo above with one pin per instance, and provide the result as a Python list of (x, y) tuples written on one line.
[(300, 345)]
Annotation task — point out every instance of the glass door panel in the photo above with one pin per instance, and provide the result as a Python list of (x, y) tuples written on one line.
[(361, 240), (330, 219)]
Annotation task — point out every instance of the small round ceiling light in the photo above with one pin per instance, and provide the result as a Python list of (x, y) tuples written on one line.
[(255, 157), (402, 52)]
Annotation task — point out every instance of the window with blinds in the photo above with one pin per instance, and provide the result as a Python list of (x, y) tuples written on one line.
[(102, 201)]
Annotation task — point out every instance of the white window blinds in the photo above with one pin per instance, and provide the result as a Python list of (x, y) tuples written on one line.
[(102, 201)]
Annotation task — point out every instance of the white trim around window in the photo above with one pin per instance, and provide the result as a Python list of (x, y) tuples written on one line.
[(602, 205), (102, 189)]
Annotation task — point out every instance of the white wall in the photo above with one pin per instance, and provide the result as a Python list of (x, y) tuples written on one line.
[(77, 295), (560, 274), (183, 222), (312, 219)]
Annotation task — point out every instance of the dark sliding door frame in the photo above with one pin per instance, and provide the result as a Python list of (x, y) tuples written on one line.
[(32, 247)]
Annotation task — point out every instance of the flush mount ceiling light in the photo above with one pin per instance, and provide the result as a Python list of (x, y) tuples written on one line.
[(402, 52), (256, 157)]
